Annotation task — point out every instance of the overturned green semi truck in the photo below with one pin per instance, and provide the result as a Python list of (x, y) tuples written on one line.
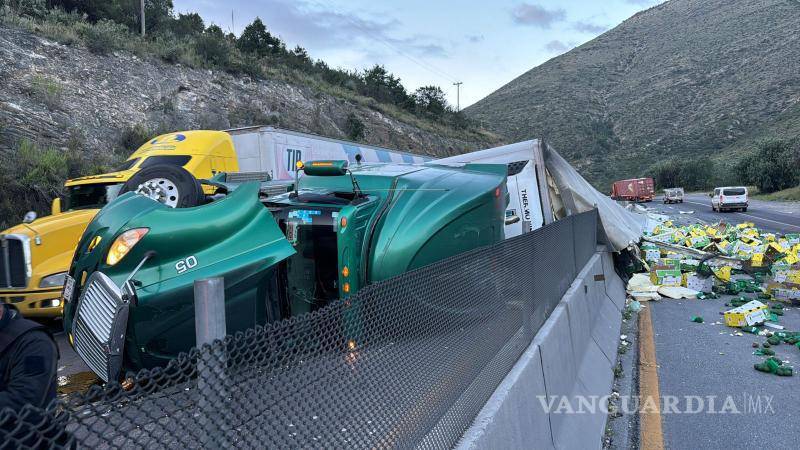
[(129, 291)]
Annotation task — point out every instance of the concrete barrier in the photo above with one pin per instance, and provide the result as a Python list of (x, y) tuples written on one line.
[(572, 357)]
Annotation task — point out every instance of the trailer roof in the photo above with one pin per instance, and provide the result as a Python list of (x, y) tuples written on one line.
[(271, 129)]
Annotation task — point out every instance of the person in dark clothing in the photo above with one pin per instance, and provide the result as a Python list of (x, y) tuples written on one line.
[(28, 362)]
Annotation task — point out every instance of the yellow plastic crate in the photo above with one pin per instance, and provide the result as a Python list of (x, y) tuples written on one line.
[(750, 313)]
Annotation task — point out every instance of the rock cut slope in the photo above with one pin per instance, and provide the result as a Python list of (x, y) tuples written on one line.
[(683, 79), (97, 97)]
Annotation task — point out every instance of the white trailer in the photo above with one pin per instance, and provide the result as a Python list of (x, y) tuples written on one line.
[(276, 151)]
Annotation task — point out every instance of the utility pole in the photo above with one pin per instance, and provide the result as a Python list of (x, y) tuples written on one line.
[(141, 12), (458, 84), (233, 24)]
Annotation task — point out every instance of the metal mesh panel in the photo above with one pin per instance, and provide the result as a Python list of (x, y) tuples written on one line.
[(585, 242), (408, 362)]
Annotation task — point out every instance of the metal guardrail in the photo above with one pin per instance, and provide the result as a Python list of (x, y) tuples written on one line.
[(409, 361)]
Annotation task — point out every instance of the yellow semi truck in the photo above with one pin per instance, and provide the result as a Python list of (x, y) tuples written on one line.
[(35, 255)]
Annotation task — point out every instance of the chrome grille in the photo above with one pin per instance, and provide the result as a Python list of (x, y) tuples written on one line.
[(90, 350), (15, 261), (97, 310), (95, 318), (243, 177), (271, 190)]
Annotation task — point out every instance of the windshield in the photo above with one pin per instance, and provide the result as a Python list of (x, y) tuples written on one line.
[(733, 191), (171, 160), (90, 196)]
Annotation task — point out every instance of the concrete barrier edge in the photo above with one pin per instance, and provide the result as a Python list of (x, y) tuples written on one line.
[(573, 354)]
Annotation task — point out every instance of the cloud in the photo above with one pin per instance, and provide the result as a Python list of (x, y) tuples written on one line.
[(310, 25), (537, 16), (588, 27), (556, 46)]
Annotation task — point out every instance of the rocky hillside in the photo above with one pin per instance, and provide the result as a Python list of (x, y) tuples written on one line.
[(50, 92), (65, 111), (682, 79)]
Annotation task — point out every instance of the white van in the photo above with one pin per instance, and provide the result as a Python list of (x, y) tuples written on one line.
[(729, 198)]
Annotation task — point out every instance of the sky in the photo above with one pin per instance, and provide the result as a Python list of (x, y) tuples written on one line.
[(483, 44)]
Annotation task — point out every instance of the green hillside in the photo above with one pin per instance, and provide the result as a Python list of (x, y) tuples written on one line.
[(685, 79)]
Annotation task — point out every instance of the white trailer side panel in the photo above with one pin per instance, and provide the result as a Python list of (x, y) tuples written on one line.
[(293, 147)]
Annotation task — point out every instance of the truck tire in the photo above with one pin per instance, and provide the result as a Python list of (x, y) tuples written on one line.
[(171, 185)]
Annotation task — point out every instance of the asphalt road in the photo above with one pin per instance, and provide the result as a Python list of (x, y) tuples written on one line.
[(709, 360), (781, 217)]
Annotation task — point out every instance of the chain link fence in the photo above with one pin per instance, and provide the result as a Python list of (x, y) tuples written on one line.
[(407, 362)]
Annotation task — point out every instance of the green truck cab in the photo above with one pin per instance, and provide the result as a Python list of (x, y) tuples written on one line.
[(129, 293)]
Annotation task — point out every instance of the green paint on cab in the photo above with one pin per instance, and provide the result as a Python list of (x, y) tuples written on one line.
[(290, 254)]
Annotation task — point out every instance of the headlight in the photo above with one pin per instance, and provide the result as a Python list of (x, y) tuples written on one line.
[(56, 279), (123, 244)]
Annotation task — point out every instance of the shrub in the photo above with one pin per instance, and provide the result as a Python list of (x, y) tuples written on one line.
[(133, 137), (354, 127), (40, 169), (213, 49), (105, 36), (246, 65), (773, 167), (168, 49), (46, 90)]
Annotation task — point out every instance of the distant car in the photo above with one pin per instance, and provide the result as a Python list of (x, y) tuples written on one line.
[(673, 195), (729, 198)]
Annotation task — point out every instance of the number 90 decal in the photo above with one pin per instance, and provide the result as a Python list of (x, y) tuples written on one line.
[(186, 264)]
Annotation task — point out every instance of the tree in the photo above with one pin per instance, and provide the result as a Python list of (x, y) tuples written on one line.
[(256, 39), (693, 173), (212, 46), (216, 31), (188, 24), (385, 87), (773, 167), (301, 54), (431, 100)]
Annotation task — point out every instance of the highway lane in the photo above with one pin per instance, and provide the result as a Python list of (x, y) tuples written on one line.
[(780, 217)]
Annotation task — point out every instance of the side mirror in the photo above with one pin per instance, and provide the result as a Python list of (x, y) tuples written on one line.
[(55, 208), (711, 194), (29, 217)]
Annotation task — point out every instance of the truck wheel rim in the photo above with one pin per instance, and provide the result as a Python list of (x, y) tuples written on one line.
[(161, 190)]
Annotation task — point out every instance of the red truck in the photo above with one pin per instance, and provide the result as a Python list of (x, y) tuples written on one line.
[(635, 189)]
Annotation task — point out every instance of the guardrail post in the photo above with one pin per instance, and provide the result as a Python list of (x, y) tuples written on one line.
[(212, 380)]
